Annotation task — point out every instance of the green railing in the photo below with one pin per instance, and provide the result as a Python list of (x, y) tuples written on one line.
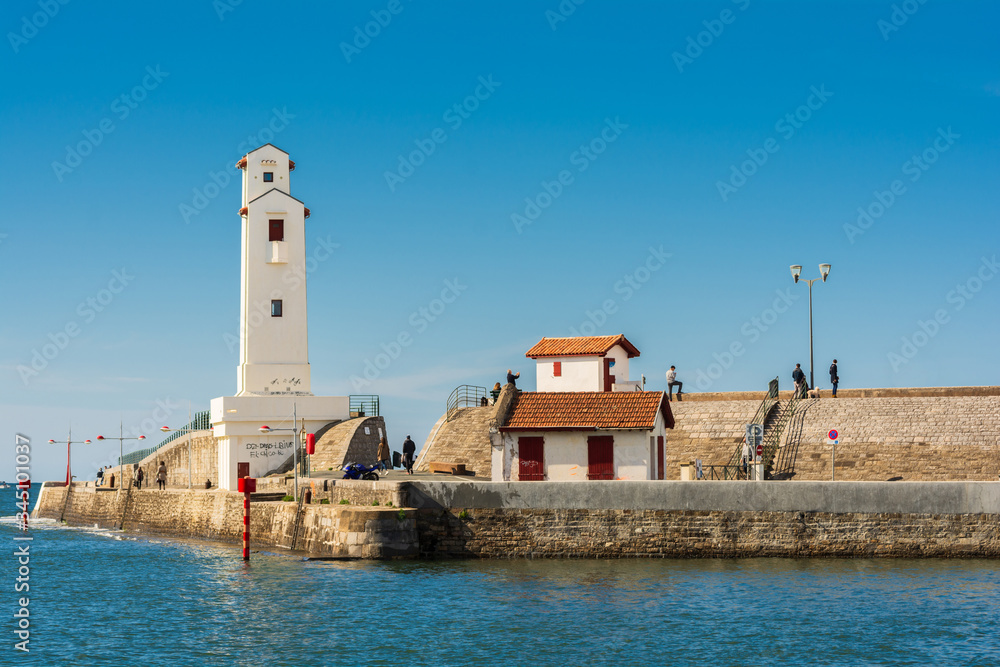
[(201, 422), (465, 396), (364, 405)]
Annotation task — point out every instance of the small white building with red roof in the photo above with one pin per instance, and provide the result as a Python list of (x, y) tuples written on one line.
[(583, 363), (587, 421)]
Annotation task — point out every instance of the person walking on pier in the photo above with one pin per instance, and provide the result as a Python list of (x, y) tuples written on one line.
[(834, 377), (409, 449), (139, 476), (671, 381), (383, 455), (161, 476), (100, 476)]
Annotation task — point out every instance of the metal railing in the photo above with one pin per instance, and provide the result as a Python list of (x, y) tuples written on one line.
[(465, 396), (759, 417), (364, 405), (723, 472), (201, 422)]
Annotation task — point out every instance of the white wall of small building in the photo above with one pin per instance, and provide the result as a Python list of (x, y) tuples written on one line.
[(565, 453), (620, 368), (580, 373)]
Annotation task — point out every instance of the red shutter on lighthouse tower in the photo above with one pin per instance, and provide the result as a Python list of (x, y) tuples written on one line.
[(275, 230)]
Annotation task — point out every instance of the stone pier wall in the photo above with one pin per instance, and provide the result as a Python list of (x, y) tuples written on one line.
[(613, 519), (326, 530)]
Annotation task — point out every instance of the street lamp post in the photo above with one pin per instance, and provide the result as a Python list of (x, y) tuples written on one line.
[(824, 271), (121, 454), (69, 441), (295, 452)]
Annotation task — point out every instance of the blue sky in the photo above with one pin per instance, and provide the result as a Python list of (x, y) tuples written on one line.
[(738, 138)]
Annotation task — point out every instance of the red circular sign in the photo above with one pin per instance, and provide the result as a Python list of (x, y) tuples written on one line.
[(760, 450), (833, 435)]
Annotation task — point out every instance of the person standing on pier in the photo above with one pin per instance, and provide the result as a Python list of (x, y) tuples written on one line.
[(834, 377), (409, 449), (511, 378), (138, 478), (161, 475), (801, 387)]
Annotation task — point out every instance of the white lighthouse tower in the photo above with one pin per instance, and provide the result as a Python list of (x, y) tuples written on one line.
[(273, 381)]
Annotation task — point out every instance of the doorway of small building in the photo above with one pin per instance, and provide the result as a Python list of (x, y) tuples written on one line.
[(600, 457), (530, 452), (242, 469)]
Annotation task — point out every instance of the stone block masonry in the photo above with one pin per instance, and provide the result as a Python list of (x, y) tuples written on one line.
[(320, 530), (597, 519), (921, 434)]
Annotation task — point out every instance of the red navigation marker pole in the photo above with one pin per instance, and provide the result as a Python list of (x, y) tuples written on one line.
[(246, 486)]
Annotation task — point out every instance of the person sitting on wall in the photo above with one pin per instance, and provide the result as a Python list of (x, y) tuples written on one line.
[(671, 382), (495, 392), (801, 386)]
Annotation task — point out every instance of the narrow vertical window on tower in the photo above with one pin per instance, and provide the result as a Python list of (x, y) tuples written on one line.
[(269, 177), (275, 230), (275, 307)]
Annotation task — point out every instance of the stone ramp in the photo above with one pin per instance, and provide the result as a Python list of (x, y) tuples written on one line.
[(463, 440), (348, 442)]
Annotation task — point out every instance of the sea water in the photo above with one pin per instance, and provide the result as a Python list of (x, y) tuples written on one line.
[(105, 597)]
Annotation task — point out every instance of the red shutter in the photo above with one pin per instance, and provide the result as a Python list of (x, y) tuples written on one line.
[(556, 369), (659, 456), (275, 230), (608, 377), (600, 457), (529, 453)]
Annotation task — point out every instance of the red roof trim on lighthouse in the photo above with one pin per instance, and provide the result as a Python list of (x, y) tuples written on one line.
[(242, 164)]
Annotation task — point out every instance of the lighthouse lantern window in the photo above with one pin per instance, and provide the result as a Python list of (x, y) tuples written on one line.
[(268, 176)]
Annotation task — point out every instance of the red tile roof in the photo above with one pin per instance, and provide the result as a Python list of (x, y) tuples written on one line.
[(580, 346), (587, 410)]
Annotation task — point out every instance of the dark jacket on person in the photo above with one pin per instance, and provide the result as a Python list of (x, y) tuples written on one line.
[(798, 375), (833, 373), (409, 447)]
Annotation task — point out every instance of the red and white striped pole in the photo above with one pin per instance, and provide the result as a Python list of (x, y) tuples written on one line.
[(247, 485)]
